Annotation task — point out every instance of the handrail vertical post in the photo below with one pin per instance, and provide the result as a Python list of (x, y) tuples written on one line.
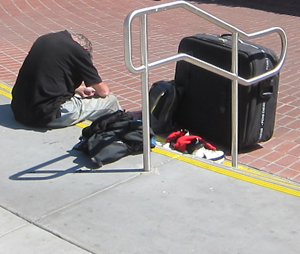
[(234, 100), (145, 93)]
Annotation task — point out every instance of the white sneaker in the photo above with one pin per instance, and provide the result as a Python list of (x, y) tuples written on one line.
[(214, 155)]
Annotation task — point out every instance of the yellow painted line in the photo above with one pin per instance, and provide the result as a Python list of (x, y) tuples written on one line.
[(262, 174), (254, 173), (6, 94), (6, 91), (8, 88), (246, 174), (84, 124), (81, 125), (230, 173)]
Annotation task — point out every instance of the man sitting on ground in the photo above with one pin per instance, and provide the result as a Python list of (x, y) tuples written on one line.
[(58, 85)]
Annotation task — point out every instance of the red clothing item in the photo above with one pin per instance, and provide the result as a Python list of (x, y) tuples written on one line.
[(183, 141), (172, 138)]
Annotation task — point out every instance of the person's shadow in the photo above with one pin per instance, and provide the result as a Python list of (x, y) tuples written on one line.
[(7, 120)]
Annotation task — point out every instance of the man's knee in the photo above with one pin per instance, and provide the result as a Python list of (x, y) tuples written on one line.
[(114, 102)]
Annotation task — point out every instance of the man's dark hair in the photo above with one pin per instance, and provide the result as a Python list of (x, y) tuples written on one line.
[(84, 42)]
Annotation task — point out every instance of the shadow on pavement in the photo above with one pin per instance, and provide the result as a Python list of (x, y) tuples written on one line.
[(7, 120), (289, 7), (38, 173), (84, 165)]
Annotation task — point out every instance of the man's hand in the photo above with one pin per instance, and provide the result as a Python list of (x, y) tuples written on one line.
[(100, 89), (84, 91)]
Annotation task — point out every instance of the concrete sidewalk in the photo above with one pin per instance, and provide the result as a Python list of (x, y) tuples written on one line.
[(102, 21), (50, 203)]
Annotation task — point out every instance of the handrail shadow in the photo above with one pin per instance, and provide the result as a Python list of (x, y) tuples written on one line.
[(291, 7), (84, 165)]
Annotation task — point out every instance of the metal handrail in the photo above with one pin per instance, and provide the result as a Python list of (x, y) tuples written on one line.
[(145, 66)]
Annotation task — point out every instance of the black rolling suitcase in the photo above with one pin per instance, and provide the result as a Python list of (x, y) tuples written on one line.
[(205, 108)]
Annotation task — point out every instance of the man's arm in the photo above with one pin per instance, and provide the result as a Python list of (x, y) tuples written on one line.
[(101, 89)]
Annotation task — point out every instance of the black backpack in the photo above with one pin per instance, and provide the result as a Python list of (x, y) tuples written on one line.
[(164, 97), (113, 136)]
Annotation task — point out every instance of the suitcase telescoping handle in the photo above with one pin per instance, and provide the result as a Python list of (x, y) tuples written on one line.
[(226, 35), (145, 66)]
